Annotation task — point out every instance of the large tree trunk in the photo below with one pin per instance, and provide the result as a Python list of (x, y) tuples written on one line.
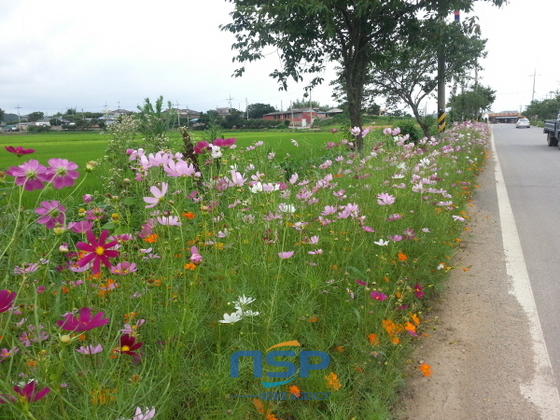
[(355, 73)]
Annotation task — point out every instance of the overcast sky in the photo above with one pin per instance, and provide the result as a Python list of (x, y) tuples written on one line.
[(62, 54)]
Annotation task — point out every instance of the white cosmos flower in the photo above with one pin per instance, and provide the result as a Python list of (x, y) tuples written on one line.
[(231, 318), (286, 208), (381, 242), (243, 300)]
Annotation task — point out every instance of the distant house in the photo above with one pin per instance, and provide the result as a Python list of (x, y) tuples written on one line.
[(223, 111), (302, 117), (509, 117), (45, 122), (185, 113), (333, 111)]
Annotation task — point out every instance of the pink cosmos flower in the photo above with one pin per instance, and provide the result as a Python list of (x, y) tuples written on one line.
[(51, 212), (146, 414), (124, 268), (84, 321), (196, 258), (385, 199), (394, 217), (286, 255), (158, 195), (61, 172), (31, 175), (90, 349), (6, 300), (28, 393), (80, 227), (375, 295), (5, 353), (361, 283), (368, 229), (169, 220), (99, 251)]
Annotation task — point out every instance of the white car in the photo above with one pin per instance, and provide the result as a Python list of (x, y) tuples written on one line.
[(523, 123)]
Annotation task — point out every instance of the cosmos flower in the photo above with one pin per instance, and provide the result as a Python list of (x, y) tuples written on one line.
[(83, 322), (99, 251), (19, 151), (385, 199), (61, 172), (286, 255), (31, 175), (6, 300), (51, 212), (90, 349), (231, 318), (128, 345), (375, 295), (28, 393), (158, 195)]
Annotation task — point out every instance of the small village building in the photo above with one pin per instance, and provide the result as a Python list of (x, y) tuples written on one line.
[(301, 117), (508, 117)]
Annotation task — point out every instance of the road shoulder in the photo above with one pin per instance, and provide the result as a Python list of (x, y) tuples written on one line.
[(479, 343)]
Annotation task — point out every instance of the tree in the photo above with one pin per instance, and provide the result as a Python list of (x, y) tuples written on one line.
[(1, 114), (309, 34), (35, 116), (408, 72), (546, 109), (258, 110), (304, 103), (470, 104)]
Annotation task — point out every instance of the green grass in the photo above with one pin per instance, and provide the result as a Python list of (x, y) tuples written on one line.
[(322, 205)]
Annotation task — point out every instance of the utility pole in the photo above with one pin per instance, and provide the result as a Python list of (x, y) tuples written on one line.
[(178, 116), (18, 116), (229, 100), (534, 81)]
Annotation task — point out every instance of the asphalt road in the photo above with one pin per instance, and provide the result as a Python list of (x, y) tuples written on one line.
[(531, 172)]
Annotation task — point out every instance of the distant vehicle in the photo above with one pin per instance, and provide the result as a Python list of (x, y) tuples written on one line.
[(523, 123), (551, 129)]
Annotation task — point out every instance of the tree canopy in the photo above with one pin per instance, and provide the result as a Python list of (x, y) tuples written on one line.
[(258, 110), (544, 110), (470, 104), (408, 72), (309, 34)]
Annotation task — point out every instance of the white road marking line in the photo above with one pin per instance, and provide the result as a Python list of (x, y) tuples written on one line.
[(542, 390)]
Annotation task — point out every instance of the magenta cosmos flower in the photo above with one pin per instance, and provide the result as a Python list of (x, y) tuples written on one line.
[(51, 212), (19, 151), (61, 172), (375, 295), (83, 322), (28, 392), (6, 300), (128, 345), (99, 251), (31, 175)]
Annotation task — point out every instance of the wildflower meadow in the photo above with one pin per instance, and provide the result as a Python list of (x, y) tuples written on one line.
[(214, 280)]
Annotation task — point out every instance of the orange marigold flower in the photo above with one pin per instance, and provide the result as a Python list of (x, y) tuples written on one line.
[(415, 319), (151, 238), (410, 328), (332, 381), (373, 339), (340, 349), (189, 215), (295, 391), (425, 368), (190, 266), (313, 319), (401, 256), (386, 279), (102, 396)]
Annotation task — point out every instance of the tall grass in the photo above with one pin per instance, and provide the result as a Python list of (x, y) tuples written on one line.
[(339, 251)]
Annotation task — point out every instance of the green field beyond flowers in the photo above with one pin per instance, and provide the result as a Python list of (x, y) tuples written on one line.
[(271, 276)]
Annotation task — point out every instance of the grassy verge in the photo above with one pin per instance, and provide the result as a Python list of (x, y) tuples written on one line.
[(277, 279)]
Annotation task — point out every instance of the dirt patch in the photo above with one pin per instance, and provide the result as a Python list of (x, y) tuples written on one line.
[(479, 341)]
